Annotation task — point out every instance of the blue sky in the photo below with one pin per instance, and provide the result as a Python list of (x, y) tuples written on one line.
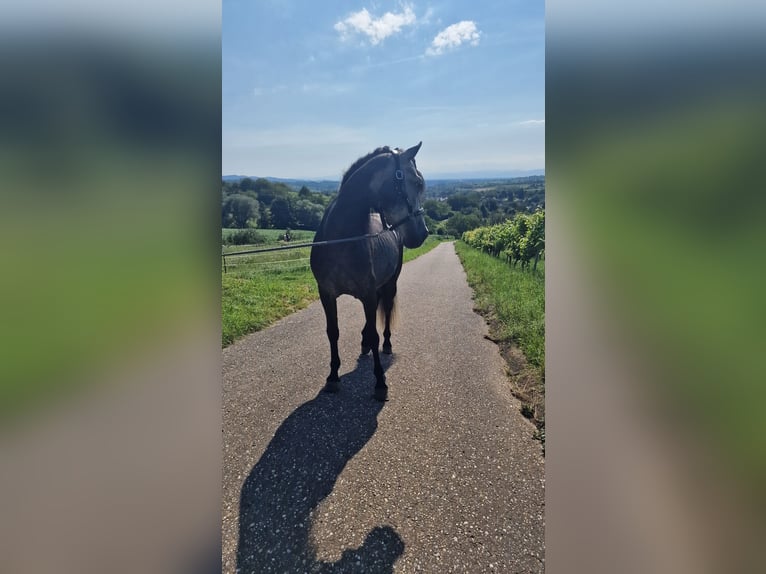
[(308, 87)]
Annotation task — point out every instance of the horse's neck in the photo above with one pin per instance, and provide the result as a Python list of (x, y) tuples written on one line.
[(348, 217), (351, 213)]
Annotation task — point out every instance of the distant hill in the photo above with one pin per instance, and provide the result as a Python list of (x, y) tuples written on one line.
[(495, 175), (442, 180)]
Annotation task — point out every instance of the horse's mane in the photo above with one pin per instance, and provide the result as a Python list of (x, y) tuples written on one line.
[(364, 159)]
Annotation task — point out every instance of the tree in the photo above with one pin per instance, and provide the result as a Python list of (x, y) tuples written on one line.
[(308, 215), (487, 206), (437, 210), (464, 201), (239, 211), (268, 191), (460, 223), (282, 214)]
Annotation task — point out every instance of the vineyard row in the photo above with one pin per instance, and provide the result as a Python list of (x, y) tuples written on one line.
[(518, 240)]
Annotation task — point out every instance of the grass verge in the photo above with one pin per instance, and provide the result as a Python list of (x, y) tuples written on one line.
[(258, 291), (513, 303)]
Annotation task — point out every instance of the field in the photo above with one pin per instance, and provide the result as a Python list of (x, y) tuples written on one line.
[(513, 302), (260, 289)]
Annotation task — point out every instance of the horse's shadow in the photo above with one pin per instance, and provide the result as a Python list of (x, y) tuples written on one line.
[(297, 471)]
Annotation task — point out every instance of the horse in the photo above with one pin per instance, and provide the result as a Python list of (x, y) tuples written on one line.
[(377, 210)]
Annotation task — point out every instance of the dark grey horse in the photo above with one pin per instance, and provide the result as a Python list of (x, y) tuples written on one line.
[(379, 195)]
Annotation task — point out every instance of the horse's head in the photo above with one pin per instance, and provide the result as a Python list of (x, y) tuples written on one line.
[(400, 197)]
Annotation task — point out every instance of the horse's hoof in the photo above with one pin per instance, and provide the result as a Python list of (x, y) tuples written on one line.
[(381, 394), (331, 387), (364, 351), (387, 349)]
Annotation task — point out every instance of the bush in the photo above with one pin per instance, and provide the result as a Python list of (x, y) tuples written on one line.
[(245, 237)]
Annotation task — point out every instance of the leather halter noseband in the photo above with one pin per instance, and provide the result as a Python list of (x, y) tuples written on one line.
[(399, 189)]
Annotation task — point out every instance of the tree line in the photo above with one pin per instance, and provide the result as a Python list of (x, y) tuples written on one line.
[(266, 204), (454, 207), (451, 207), (519, 240)]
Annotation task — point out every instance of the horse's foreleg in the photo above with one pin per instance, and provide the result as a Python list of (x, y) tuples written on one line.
[(331, 314), (373, 340)]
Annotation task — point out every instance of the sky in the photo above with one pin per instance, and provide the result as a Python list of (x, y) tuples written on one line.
[(308, 87)]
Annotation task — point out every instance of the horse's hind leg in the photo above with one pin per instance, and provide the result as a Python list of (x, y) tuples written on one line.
[(365, 344), (388, 298), (331, 314), (372, 338)]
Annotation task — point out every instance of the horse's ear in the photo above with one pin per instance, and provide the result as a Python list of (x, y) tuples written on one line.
[(412, 152)]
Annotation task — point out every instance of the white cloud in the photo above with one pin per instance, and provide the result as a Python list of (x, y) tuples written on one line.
[(532, 123), (453, 36), (376, 29)]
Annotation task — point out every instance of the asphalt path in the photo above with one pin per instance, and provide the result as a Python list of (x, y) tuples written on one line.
[(443, 477)]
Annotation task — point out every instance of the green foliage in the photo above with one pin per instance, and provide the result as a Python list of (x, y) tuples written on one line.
[(273, 237), (245, 237), (464, 201), (267, 204), (460, 223), (512, 195), (239, 211), (521, 239), (452, 206), (437, 210), (456, 206), (282, 212), (308, 215)]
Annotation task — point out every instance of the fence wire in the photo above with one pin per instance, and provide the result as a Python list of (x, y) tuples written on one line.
[(267, 259)]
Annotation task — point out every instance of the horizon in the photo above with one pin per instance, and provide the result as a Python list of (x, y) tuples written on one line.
[(437, 177), (307, 89)]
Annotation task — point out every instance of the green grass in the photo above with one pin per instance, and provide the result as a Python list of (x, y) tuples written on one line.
[(513, 301), (254, 301), (271, 235), (259, 290), (514, 297)]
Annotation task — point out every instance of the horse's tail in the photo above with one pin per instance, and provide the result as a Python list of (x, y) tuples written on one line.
[(387, 303)]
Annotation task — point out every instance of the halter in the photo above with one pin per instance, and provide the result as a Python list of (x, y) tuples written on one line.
[(399, 189)]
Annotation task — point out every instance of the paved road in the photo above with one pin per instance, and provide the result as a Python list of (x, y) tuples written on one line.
[(444, 477)]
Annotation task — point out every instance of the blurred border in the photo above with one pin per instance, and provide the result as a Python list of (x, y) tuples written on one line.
[(656, 450), (109, 246), (110, 332)]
